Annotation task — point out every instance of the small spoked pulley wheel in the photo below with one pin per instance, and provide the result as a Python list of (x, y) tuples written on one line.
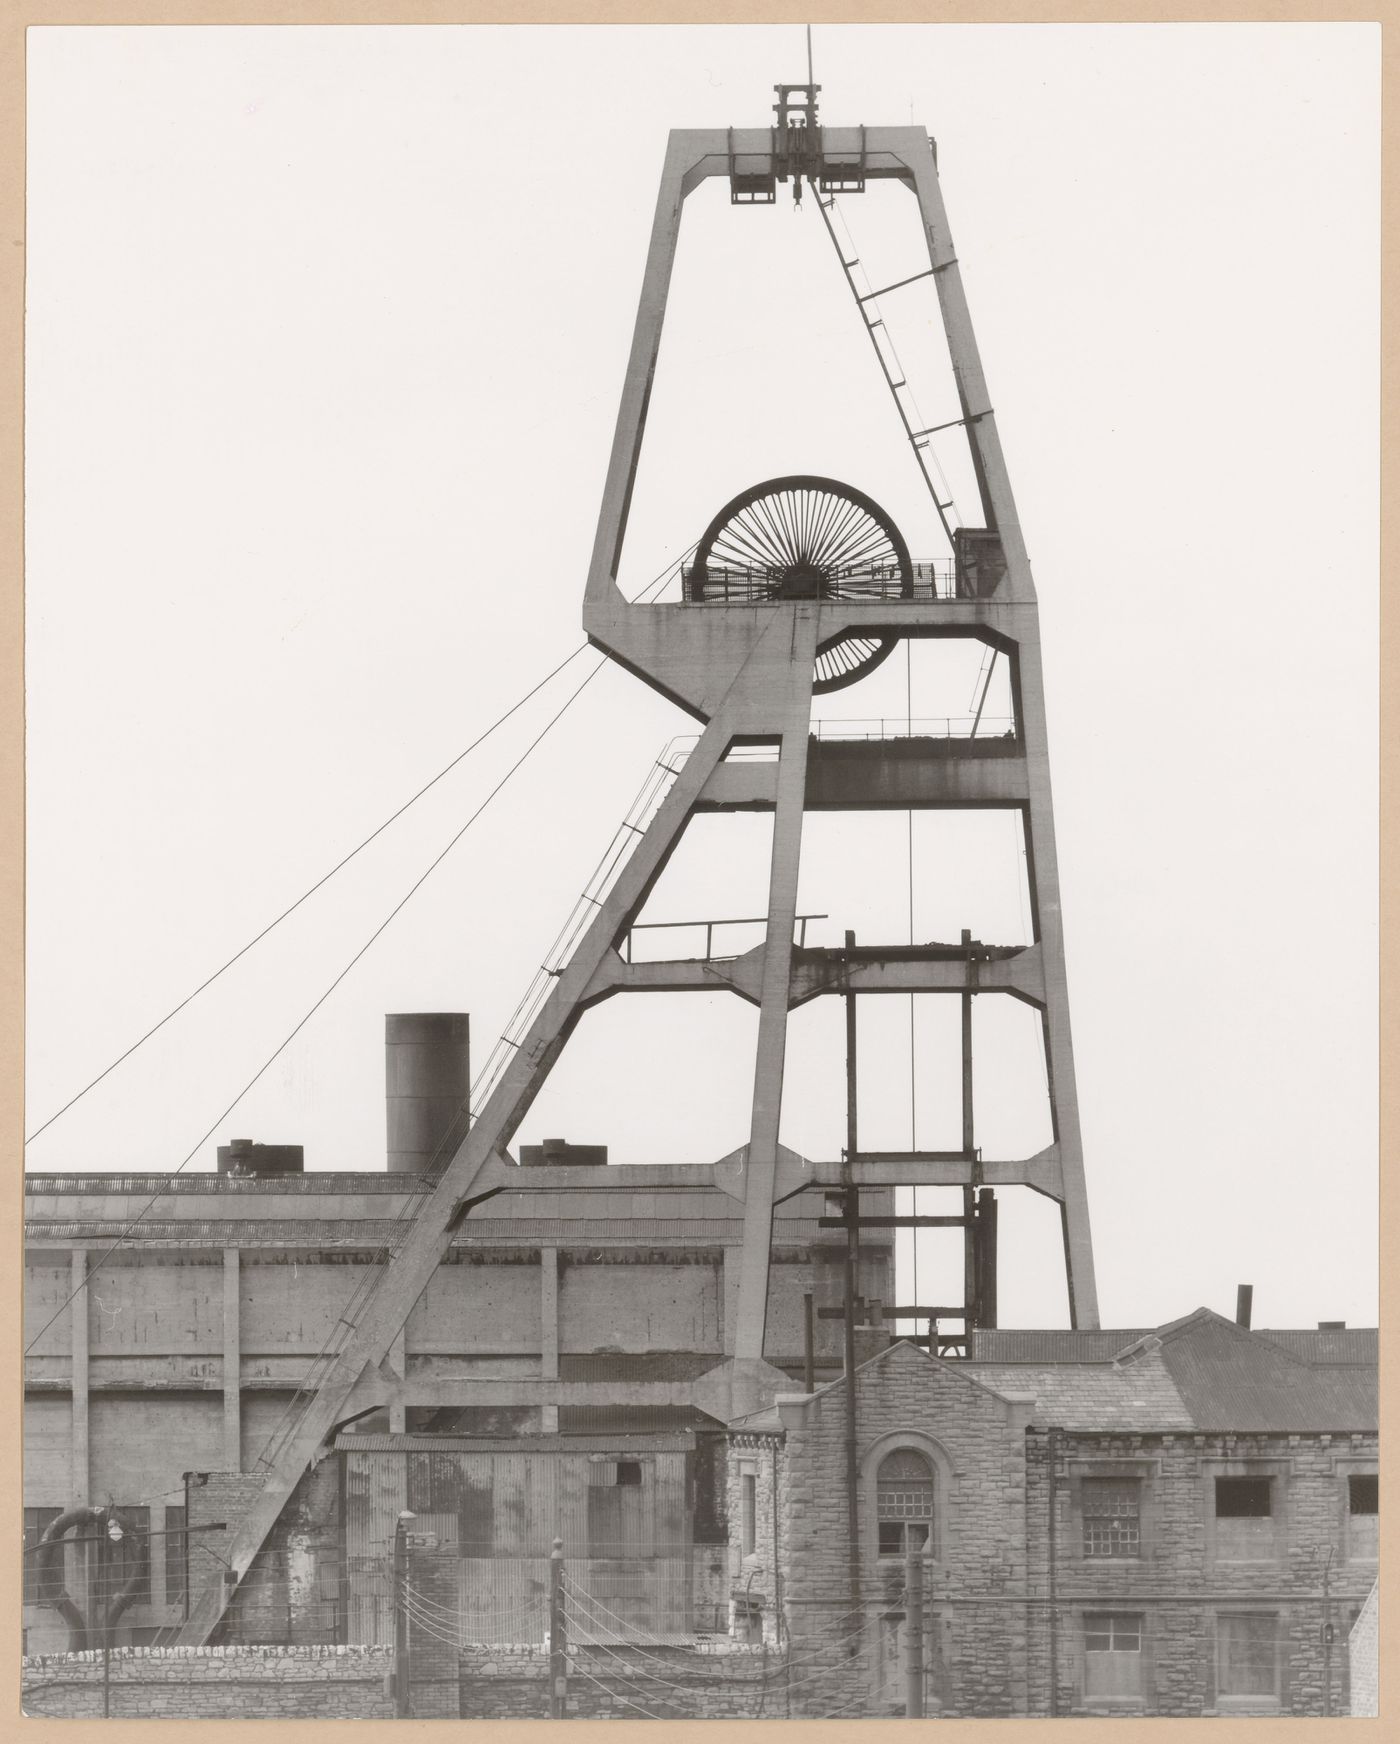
[(804, 537)]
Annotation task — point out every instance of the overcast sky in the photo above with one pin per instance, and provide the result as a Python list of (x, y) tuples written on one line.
[(326, 331)]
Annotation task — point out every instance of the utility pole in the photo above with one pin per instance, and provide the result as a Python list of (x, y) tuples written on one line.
[(558, 1646), (913, 1628), (112, 1535), (401, 1644)]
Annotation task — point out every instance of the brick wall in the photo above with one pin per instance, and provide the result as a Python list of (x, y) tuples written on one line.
[(1363, 1648), (213, 1683)]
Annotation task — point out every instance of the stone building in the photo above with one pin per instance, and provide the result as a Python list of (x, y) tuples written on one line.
[(1178, 1522)]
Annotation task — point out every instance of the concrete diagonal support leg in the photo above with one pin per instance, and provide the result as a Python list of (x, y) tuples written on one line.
[(795, 679)]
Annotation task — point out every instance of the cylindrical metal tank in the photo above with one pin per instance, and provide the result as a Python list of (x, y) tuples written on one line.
[(427, 1066)]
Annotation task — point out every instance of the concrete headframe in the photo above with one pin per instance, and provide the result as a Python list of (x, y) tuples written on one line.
[(744, 667)]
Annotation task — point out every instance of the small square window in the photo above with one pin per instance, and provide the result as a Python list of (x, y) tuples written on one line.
[(1243, 1498), (1245, 1524), (629, 1471), (1363, 1493)]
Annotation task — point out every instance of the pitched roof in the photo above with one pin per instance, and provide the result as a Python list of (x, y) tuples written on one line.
[(1134, 1398), (1229, 1379)]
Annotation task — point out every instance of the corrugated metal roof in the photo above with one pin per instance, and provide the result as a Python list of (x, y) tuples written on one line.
[(1008, 1345), (1231, 1380), (1351, 1344)]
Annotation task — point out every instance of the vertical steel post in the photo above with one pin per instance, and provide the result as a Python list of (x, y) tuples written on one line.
[(401, 1644), (851, 1208), (972, 1306), (558, 1647), (913, 1630)]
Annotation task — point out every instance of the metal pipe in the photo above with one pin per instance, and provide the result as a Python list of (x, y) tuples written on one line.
[(852, 1210), (558, 1648), (914, 1630), (809, 1354)]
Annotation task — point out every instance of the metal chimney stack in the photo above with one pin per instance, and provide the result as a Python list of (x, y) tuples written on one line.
[(427, 1074)]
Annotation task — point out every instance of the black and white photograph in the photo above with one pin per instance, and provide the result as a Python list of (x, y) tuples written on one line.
[(701, 917)]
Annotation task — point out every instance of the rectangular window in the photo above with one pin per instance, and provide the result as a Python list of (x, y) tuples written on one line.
[(1247, 1657), (476, 1517), (1112, 1512), (1244, 1519), (175, 1563), (898, 1537), (1113, 1656), (629, 1471), (1363, 1516), (38, 1588), (748, 1510)]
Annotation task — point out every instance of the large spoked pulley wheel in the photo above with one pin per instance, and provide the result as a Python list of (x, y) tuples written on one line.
[(807, 538)]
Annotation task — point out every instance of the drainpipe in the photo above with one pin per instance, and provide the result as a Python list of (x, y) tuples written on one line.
[(1054, 1445)]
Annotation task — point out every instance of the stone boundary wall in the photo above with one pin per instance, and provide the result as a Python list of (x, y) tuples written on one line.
[(618, 1683), (213, 1683)]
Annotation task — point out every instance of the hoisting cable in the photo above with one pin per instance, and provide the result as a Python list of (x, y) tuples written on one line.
[(339, 866), (913, 1091), (383, 925)]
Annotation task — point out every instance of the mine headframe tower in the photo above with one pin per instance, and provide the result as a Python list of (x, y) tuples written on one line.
[(799, 585)]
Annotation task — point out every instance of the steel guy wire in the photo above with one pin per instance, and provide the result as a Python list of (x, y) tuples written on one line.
[(287, 1040), (302, 1022), (340, 865)]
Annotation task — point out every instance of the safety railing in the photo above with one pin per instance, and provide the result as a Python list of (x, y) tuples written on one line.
[(933, 579), (799, 935), (920, 727)]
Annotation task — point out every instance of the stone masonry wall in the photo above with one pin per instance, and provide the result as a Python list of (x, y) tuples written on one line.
[(512, 1683), (975, 1442), (213, 1683), (1180, 1582)]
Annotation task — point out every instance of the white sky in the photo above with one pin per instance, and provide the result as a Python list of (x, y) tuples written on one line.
[(326, 331)]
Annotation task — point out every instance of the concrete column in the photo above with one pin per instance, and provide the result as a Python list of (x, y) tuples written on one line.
[(233, 1365), (398, 1362), (78, 1484), (794, 674), (549, 1332), (427, 1071), (729, 1307)]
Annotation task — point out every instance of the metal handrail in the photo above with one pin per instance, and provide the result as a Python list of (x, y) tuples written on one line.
[(902, 727), (931, 579), (799, 920)]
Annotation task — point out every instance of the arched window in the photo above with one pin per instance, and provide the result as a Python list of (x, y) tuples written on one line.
[(904, 1502)]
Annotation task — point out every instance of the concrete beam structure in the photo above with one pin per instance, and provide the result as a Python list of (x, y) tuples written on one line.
[(746, 669)]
